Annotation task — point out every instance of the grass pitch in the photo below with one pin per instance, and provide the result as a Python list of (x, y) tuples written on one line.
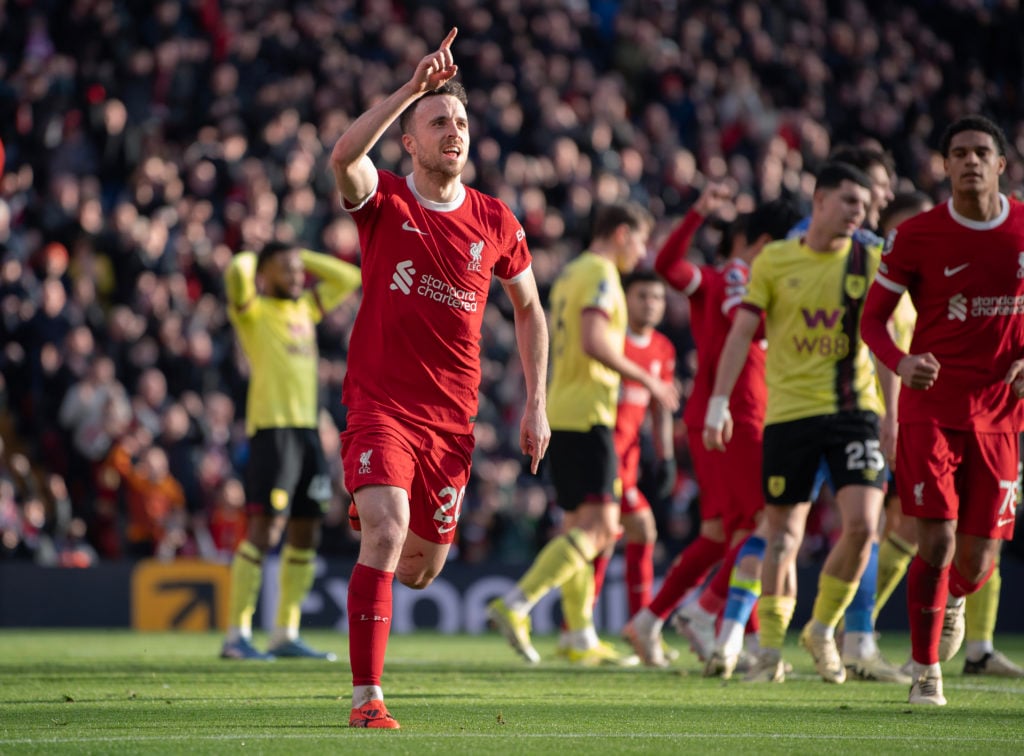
[(113, 692)]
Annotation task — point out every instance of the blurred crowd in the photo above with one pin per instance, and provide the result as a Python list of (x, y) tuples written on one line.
[(144, 143)]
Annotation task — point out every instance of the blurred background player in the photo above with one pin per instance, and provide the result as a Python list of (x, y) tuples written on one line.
[(431, 248), (652, 350), (730, 484), (589, 323), (899, 539), (822, 401), (959, 411), (286, 475), (860, 652)]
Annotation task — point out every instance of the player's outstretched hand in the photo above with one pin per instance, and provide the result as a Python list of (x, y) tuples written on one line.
[(918, 371), (1015, 378), (438, 67)]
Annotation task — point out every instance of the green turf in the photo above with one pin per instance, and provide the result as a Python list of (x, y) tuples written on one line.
[(108, 692)]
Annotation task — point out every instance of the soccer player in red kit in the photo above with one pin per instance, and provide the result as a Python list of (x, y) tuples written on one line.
[(651, 349), (730, 483), (957, 446), (430, 246)]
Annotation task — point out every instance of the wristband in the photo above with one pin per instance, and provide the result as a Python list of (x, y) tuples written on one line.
[(718, 413)]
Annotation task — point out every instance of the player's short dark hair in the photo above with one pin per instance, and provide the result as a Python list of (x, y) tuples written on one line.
[(270, 249), (774, 218), (834, 173), (901, 203), (607, 218), (640, 276), (861, 157), (973, 123), (450, 87)]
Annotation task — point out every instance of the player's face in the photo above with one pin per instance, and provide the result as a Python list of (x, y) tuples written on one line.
[(285, 275), (881, 191), (974, 164), (632, 243), (645, 304), (439, 138), (842, 209)]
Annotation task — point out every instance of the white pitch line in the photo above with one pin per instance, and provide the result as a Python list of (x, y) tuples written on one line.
[(405, 735)]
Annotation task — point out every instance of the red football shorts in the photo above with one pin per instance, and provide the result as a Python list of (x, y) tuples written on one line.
[(946, 474), (730, 481), (432, 468)]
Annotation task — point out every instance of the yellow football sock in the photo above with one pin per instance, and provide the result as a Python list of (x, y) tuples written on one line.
[(558, 561), (246, 576), (894, 555), (578, 598), (982, 608), (834, 595), (775, 613), (298, 568)]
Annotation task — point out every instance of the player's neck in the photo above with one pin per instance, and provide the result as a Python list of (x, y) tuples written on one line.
[(821, 241), (437, 187), (641, 330), (977, 206)]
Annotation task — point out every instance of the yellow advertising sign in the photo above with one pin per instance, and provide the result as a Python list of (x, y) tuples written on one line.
[(187, 594)]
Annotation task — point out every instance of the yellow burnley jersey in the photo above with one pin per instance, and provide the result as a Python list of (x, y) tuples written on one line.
[(816, 361), (278, 337), (582, 392)]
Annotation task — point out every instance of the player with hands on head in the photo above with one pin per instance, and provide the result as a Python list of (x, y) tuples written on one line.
[(286, 479), (430, 248)]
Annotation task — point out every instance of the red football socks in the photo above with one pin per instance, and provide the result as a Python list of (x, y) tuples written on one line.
[(369, 622), (927, 588), (639, 575), (688, 570)]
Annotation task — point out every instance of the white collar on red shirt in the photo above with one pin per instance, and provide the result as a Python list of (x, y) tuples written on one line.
[(640, 339), (441, 207), (1004, 212)]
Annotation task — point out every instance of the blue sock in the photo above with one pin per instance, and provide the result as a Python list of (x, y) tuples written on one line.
[(858, 613), (743, 594)]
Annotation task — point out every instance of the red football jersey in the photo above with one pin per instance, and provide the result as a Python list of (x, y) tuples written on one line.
[(714, 293), (657, 356), (426, 269), (966, 280)]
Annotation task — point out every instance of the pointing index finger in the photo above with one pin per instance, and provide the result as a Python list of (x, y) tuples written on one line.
[(447, 43)]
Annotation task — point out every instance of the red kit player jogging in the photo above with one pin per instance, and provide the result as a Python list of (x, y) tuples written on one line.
[(430, 247), (959, 412)]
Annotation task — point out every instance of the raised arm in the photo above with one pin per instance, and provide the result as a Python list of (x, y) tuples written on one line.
[(532, 338), (353, 170), (240, 282), (338, 278), (671, 263)]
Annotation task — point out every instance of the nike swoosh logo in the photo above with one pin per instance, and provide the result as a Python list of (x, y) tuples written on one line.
[(407, 226), (947, 272), (1002, 521)]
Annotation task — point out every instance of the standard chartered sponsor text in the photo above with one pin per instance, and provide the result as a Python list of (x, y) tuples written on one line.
[(1002, 305), (443, 292)]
